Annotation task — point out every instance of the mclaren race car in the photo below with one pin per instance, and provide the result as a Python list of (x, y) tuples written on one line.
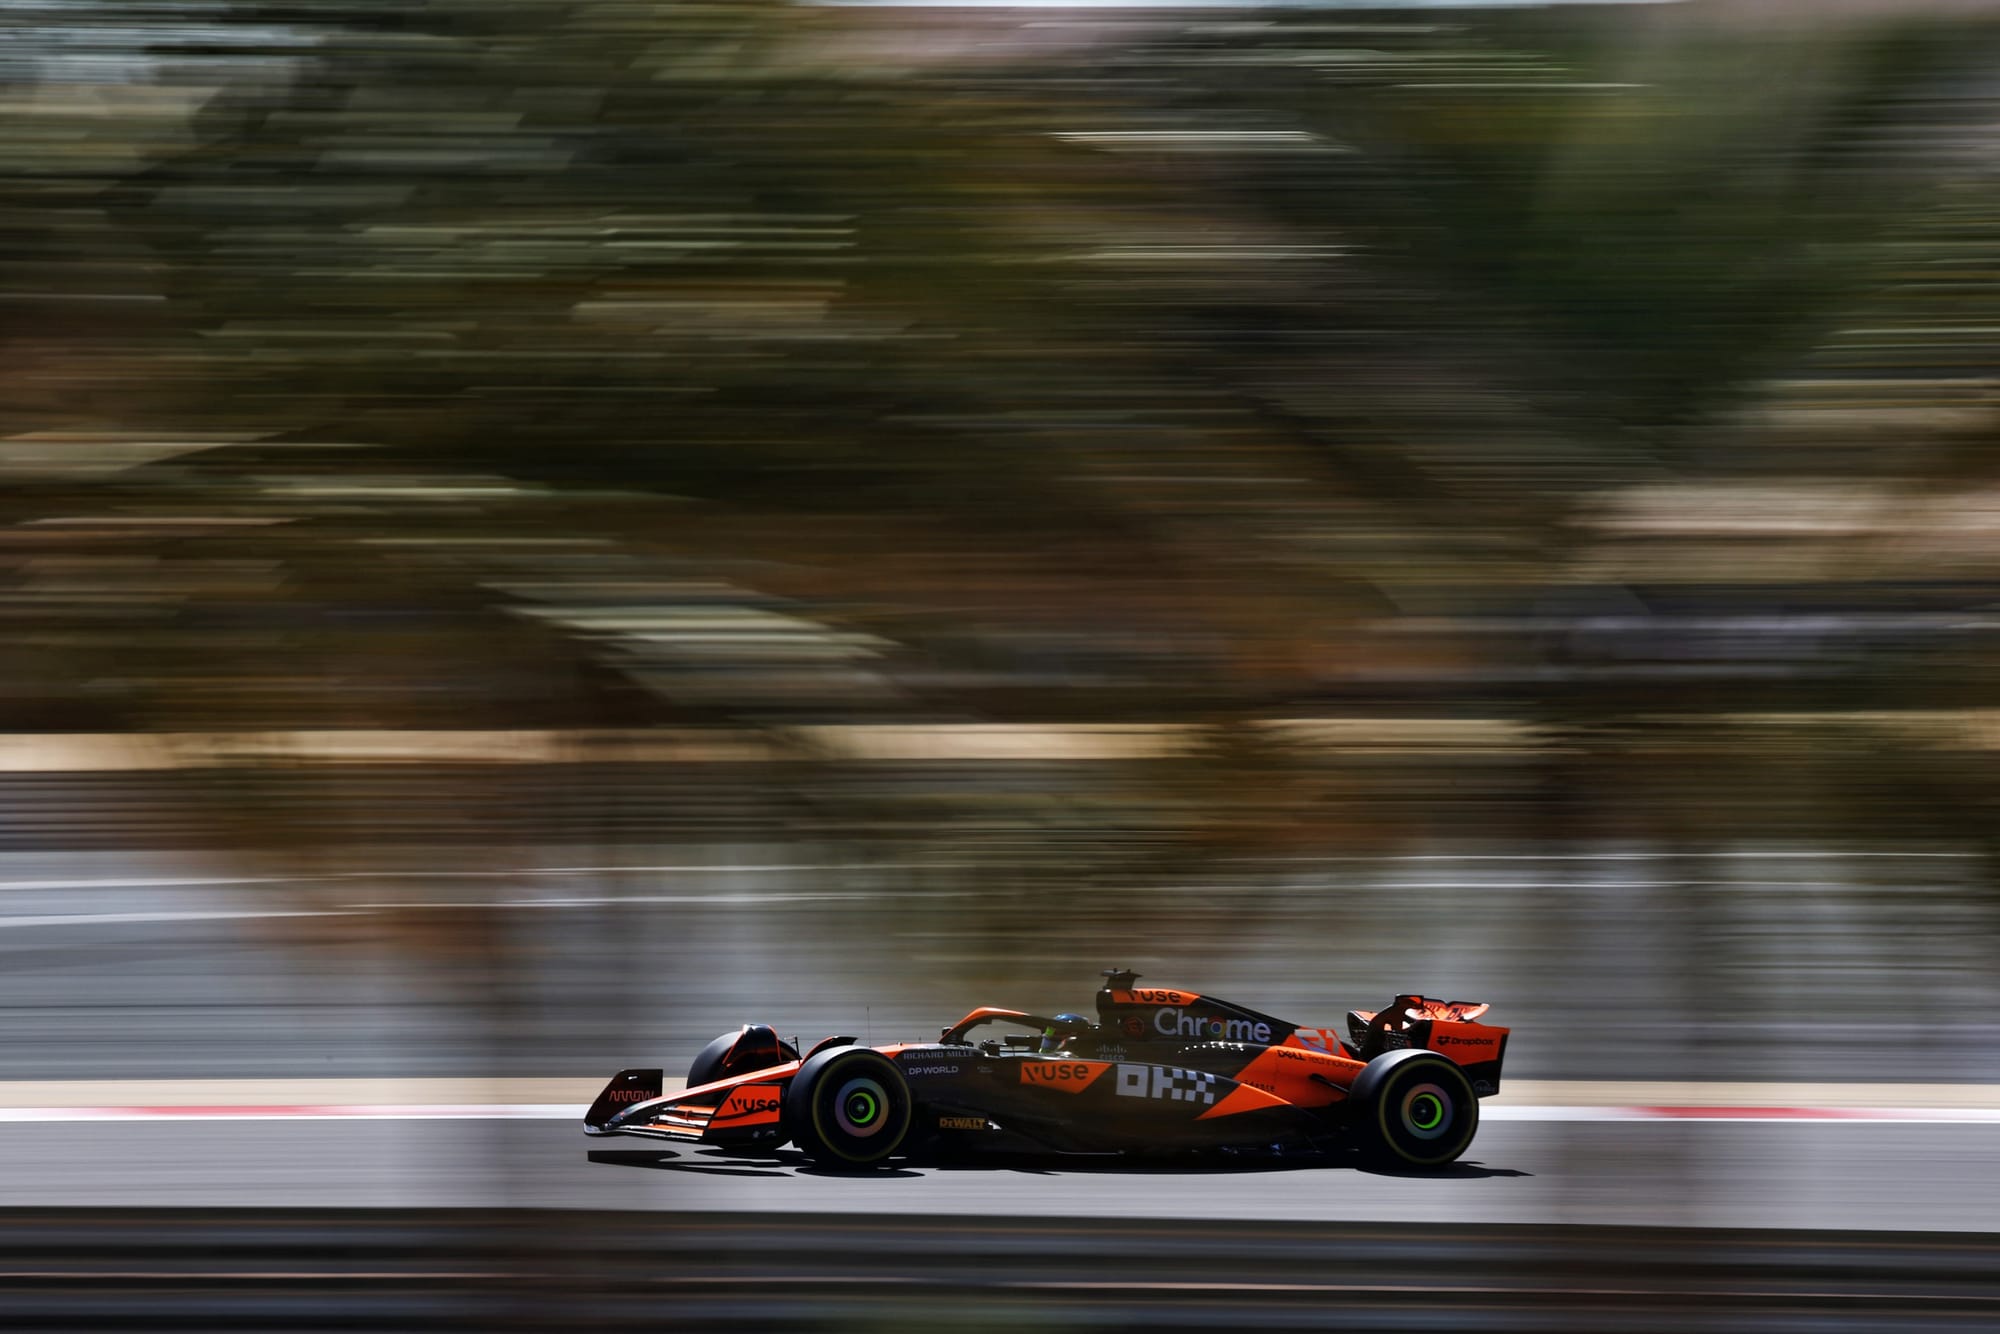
[(1161, 1069)]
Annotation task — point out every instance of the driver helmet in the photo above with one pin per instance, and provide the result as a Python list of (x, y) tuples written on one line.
[(1066, 1027)]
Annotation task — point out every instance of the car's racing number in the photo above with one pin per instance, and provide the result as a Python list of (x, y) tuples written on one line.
[(1166, 1082)]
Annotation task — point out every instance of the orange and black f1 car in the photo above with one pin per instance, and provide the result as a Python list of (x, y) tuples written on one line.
[(1161, 1069)]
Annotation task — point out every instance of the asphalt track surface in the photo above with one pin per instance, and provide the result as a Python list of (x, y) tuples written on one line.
[(1700, 1173), (398, 1219)]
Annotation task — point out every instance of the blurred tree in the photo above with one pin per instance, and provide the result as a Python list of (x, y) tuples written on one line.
[(1128, 369)]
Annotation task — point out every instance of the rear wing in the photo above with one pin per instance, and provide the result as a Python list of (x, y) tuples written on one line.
[(1449, 1028)]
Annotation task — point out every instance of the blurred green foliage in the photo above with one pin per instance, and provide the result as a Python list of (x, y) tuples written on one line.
[(484, 365)]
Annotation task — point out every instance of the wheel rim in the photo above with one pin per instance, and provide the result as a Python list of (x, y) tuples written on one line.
[(861, 1108), (1427, 1111)]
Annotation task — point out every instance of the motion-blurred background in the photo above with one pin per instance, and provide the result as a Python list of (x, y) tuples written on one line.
[(535, 531)]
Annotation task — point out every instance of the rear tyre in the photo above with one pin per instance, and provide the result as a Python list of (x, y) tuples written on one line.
[(848, 1107), (1414, 1109)]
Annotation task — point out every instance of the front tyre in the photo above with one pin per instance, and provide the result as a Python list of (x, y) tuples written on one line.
[(848, 1107), (1414, 1109)]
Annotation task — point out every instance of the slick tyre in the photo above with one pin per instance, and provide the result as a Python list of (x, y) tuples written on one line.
[(1414, 1109), (848, 1107)]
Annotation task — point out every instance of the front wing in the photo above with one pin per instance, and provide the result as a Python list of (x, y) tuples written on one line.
[(746, 1109)]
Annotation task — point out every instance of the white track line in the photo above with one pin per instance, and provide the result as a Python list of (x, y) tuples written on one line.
[(1702, 1115), (357, 1112)]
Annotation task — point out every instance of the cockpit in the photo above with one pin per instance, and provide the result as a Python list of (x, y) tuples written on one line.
[(1016, 1032)]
